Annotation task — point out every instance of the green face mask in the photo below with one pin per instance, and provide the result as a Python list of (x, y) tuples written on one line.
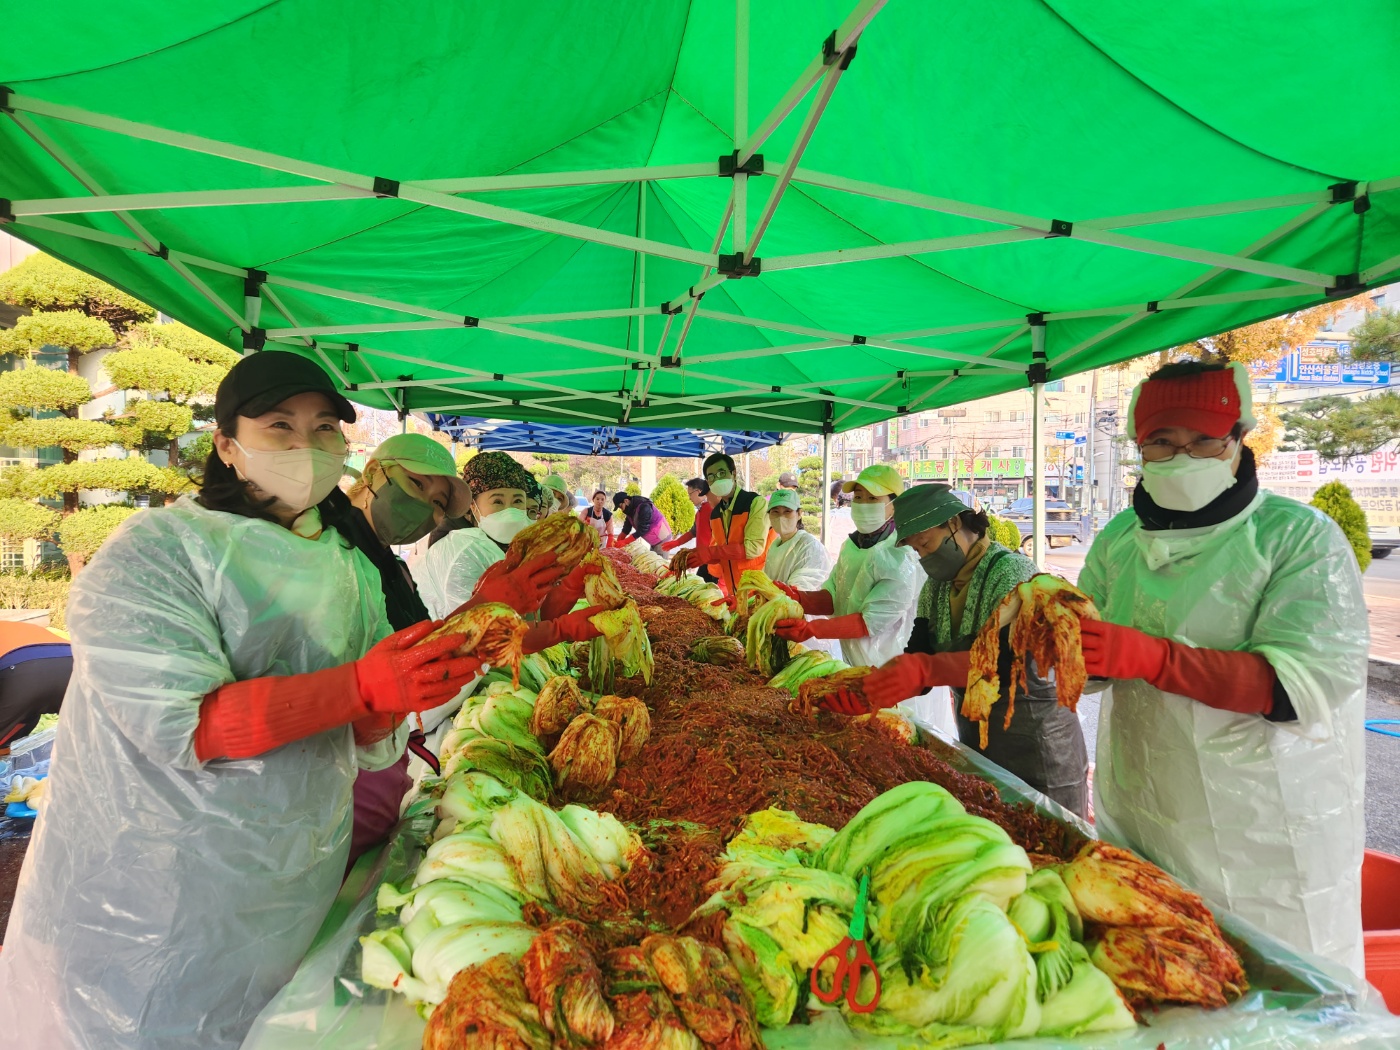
[(944, 562), (399, 517)]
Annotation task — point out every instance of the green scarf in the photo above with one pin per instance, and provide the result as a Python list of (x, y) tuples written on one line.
[(999, 571)]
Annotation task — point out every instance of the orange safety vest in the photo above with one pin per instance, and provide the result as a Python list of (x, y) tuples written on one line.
[(728, 572)]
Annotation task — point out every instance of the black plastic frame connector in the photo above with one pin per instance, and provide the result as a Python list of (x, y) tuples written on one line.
[(734, 266), (6, 215), (1347, 284), (386, 187), (255, 339), (5, 94), (729, 165), (1343, 192), (829, 52), (1061, 228), (667, 309), (253, 281)]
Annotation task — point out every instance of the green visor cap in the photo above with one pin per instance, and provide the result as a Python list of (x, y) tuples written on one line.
[(924, 507)]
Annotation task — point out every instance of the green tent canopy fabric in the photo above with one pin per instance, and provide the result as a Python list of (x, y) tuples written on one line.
[(797, 215)]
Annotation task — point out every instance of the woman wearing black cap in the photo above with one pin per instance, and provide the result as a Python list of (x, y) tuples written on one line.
[(232, 668)]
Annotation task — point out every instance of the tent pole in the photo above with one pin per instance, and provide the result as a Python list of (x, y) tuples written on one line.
[(826, 485), (1038, 446), (748, 471)]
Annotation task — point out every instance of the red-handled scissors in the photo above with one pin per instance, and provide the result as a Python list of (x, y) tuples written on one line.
[(852, 959)]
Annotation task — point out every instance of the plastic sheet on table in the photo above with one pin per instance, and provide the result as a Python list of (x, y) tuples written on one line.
[(1296, 1001)]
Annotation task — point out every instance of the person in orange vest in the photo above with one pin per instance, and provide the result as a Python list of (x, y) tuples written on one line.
[(35, 664), (738, 536)]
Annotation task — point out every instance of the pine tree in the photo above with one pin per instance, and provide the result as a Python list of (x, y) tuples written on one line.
[(810, 496), (169, 371), (673, 503), (1334, 499)]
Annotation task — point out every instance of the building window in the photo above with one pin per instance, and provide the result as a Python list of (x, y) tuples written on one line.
[(11, 556), (992, 417), (1081, 417), (905, 423), (1018, 452)]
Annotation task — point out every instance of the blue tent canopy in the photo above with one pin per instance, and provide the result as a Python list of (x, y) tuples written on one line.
[(506, 436)]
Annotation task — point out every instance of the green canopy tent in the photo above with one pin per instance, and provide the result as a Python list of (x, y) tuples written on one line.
[(803, 215)]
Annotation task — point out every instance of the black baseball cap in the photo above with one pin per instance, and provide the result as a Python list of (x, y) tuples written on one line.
[(262, 381)]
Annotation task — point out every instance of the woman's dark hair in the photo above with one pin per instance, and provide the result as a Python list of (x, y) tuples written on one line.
[(718, 457), (975, 521), (222, 490), (700, 485), (600, 492), (1181, 369)]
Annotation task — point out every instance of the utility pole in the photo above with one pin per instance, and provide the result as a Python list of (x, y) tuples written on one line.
[(1089, 501)]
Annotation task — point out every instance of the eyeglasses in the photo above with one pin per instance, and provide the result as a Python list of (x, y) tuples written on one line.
[(720, 474), (1202, 448)]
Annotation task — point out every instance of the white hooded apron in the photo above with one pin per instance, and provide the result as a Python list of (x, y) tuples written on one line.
[(164, 900), (1264, 818)]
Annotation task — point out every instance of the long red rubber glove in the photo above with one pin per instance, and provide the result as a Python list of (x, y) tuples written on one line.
[(914, 674), (572, 628), (1226, 680), (523, 588), (248, 718), (814, 603), (566, 593), (795, 630)]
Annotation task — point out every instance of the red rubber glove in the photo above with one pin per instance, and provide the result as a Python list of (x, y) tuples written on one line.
[(243, 719), (572, 628), (845, 702), (566, 593), (814, 603), (1227, 680), (914, 674), (671, 545), (795, 630), (522, 588)]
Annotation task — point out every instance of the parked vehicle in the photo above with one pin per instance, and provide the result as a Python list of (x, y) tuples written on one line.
[(1063, 526)]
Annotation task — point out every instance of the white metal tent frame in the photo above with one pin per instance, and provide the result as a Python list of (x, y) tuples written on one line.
[(469, 390)]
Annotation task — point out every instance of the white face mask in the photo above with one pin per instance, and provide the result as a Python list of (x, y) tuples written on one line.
[(504, 525), (296, 477), (868, 517), (1183, 483), (723, 487)]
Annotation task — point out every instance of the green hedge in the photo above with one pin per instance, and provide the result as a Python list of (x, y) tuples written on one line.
[(20, 590)]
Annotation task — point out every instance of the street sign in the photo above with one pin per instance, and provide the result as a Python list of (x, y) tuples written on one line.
[(1064, 435), (1082, 439), (1324, 363), (952, 413)]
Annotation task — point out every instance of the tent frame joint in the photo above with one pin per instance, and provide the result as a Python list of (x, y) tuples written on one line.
[(1348, 284), (736, 266), (470, 322), (1060, 228), (669, 308), (385, 187), (7, 214), (830, 54), (858, 340), (1154, 307), (730, 165), (254, 338), (1342, 192), (253, 282)]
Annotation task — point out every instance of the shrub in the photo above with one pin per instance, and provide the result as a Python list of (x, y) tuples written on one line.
[(673, 503), (1004, 532), (49, 591), (1334, 500)]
